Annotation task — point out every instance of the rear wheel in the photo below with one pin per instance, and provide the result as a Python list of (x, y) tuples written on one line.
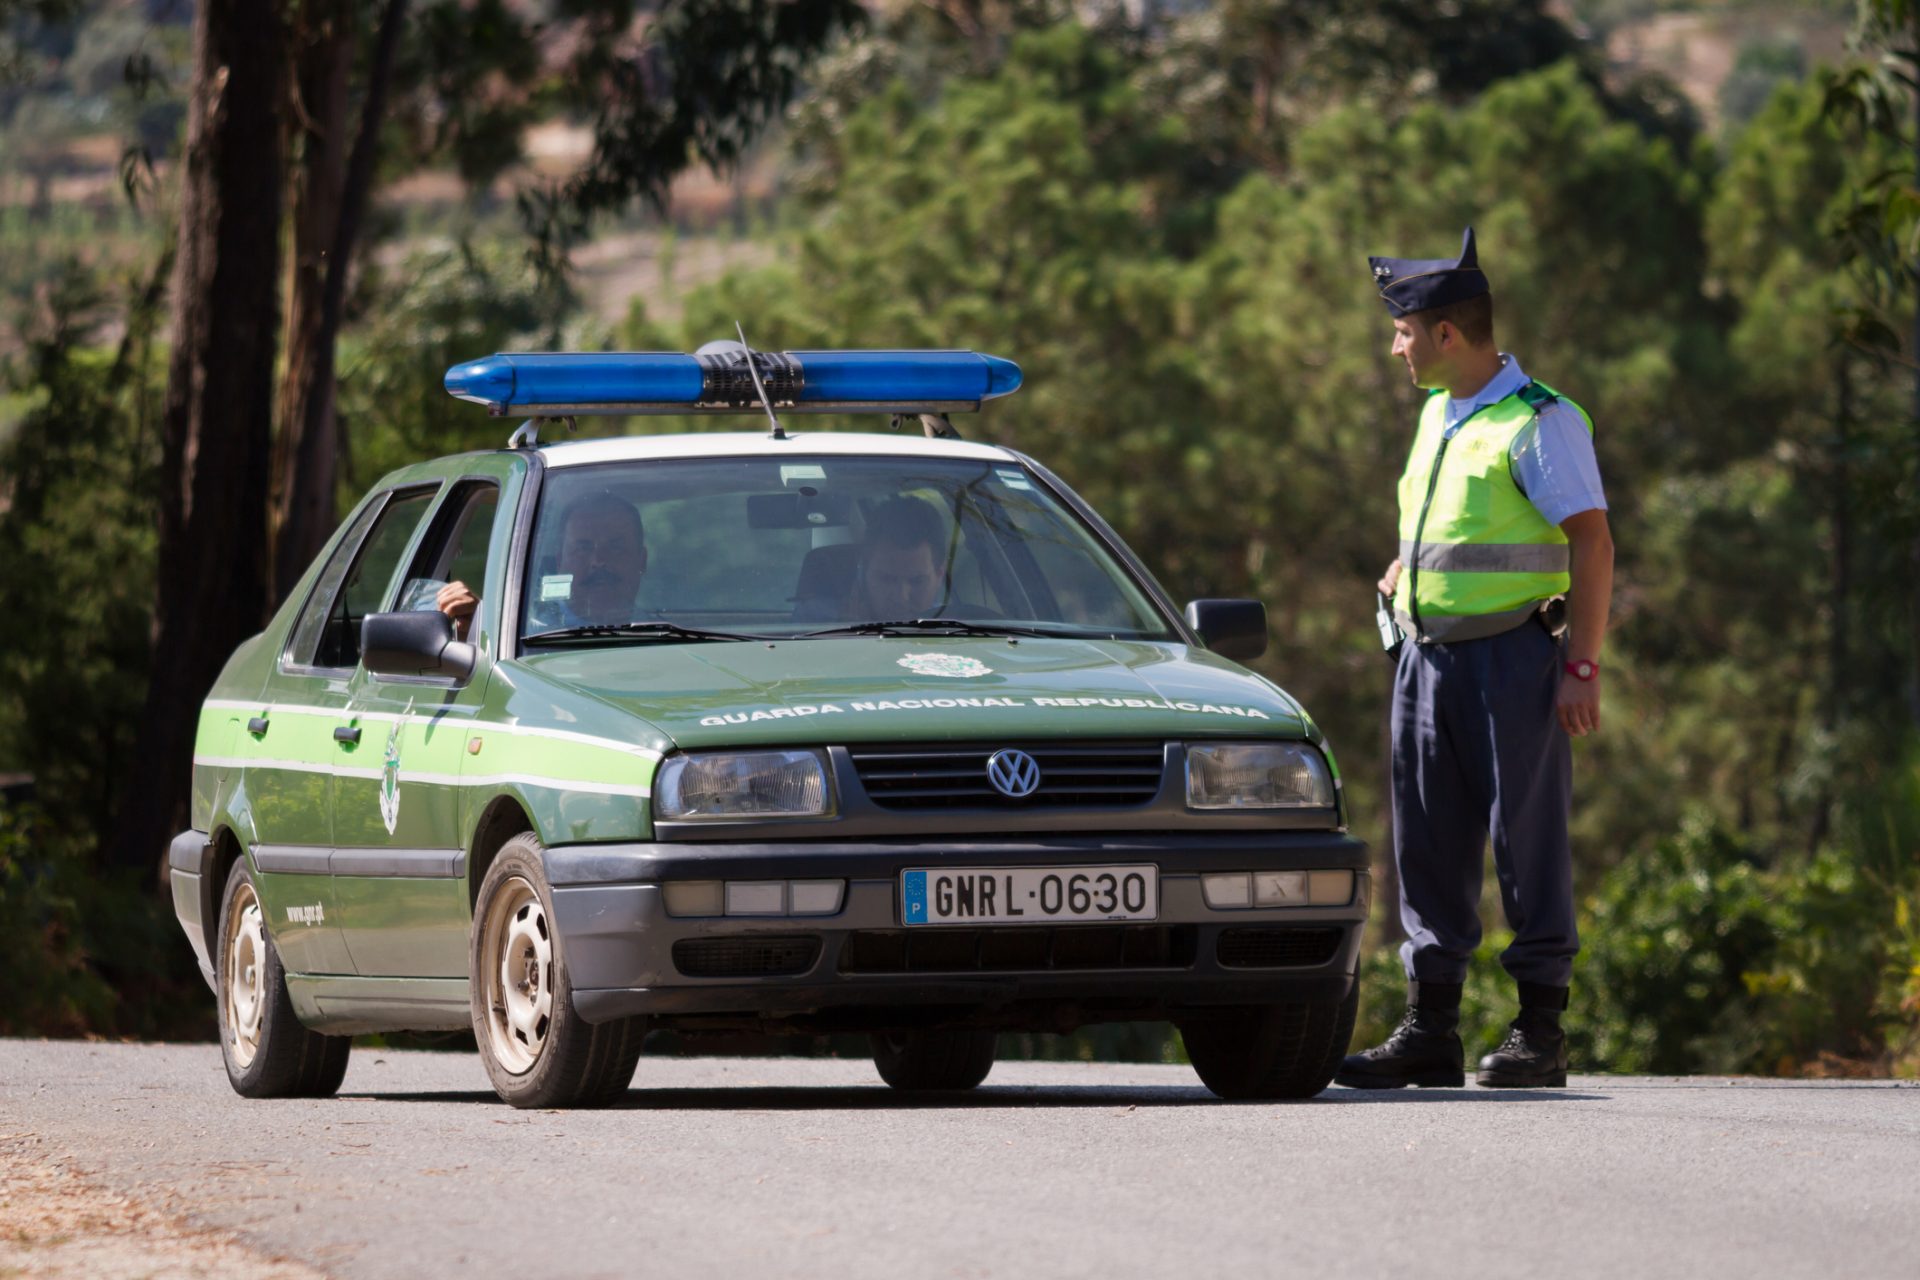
[(938, 1058), (267, 1051), (1271, 1051), (538, 1052)]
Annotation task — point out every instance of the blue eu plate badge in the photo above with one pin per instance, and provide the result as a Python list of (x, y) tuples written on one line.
[(913, 887)]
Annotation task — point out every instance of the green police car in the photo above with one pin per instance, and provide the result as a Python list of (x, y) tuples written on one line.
[(757, 732)]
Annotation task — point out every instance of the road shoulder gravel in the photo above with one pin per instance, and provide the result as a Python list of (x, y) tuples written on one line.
[(56, 1223)]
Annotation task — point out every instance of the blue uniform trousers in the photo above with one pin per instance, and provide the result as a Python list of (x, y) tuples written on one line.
[(1478, 750)]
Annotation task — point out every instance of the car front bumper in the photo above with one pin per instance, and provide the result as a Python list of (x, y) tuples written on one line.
[(861, 968)]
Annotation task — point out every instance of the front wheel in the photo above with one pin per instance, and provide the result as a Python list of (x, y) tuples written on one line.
[(538, 1052), (939, 1058), (1271, 1051), (268, 1052)]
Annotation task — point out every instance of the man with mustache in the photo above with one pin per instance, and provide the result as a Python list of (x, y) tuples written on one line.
[(603, 551)]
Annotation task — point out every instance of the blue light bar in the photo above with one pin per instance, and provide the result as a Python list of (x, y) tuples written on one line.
[(716, 380)]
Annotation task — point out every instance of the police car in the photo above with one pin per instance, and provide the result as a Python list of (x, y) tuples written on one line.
[(757, 732)]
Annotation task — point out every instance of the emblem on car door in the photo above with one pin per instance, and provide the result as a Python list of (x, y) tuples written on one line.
[(390, 773), (1013, 773)]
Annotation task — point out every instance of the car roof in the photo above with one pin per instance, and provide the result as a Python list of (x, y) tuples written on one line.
[(759, 444)]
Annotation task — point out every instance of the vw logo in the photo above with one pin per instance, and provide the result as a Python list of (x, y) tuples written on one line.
[(1013, 773)]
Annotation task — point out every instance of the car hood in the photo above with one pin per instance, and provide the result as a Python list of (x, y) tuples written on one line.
[(864, 689)]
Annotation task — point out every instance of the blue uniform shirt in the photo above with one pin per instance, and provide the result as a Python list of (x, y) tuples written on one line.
[(1553, 459)]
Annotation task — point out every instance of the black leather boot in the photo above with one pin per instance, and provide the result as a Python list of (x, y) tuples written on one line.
[(1534, 1054), (1423, 1050)]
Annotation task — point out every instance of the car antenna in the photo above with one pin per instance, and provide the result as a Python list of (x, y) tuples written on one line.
[(754, 369)]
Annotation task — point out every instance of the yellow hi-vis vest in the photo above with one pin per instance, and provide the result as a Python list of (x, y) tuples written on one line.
[(1476, 556)]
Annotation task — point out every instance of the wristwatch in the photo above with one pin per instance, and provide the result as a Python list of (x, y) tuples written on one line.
[(1584, 669)]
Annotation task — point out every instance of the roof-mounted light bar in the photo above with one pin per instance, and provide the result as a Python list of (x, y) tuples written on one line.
[(716, 379)]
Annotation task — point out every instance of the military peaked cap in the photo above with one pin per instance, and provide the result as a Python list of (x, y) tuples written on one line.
[(1420, 284)]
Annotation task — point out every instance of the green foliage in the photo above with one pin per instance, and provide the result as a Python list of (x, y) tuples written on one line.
[(87, 952), (431, 310), (701, 85), (79, 495), (1881, 827), (1762, 64), (1026, 214), (70, 68), (55, 993), (1699, 958)]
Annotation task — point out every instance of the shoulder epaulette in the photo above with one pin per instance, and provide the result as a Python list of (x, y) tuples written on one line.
[(1538, 395)]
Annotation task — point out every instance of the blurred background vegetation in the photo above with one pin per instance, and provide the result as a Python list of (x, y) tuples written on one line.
[(1699, 219)]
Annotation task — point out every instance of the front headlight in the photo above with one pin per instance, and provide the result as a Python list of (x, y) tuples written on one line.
[(1257, 775), (741, 784)]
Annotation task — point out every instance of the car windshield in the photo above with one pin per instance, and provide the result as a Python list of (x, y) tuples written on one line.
[(732, 548)]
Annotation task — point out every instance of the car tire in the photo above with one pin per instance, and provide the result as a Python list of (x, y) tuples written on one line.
[(268, 1052), (937, 1058), (1271, 1052), (538, 1051)]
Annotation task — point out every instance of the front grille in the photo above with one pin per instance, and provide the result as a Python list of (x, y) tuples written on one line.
[(954, 775), (750, 957), (1025, 949), (1277, 946)]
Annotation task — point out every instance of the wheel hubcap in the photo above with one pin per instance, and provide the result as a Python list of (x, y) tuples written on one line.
[(246, 976), (518, 965)]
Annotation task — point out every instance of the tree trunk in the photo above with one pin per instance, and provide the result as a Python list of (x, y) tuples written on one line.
[(322, 61), (1913, 279), (308, 456), (212, 572)]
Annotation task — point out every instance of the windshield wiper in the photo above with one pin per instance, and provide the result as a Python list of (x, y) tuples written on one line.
[(637, 631), (916, 626)]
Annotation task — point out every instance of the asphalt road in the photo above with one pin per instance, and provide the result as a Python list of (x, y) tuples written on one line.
[(813, 1168)]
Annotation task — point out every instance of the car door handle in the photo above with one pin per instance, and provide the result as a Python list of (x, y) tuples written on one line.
[(257, 726), (346, 733)]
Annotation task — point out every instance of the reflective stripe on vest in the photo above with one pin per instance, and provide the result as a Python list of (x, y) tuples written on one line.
[(1477, 557), (1489, 557)]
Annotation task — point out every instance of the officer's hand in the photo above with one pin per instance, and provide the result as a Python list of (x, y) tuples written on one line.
[(457, 603), (1389, 580), (1579, 705)]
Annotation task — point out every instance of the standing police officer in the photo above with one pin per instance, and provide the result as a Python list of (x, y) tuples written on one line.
[(1502, 587)]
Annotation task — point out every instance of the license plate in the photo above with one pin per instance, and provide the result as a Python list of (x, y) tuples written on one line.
[(1029, 895)]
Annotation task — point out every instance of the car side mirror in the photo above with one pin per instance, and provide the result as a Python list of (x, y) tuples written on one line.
[(1234, 629), (415, 643)]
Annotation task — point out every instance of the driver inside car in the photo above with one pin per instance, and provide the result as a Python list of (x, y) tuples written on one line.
[(901, 573), (597, 570)]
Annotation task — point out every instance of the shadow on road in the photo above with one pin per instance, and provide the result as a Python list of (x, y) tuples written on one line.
[(1008, 1097)]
